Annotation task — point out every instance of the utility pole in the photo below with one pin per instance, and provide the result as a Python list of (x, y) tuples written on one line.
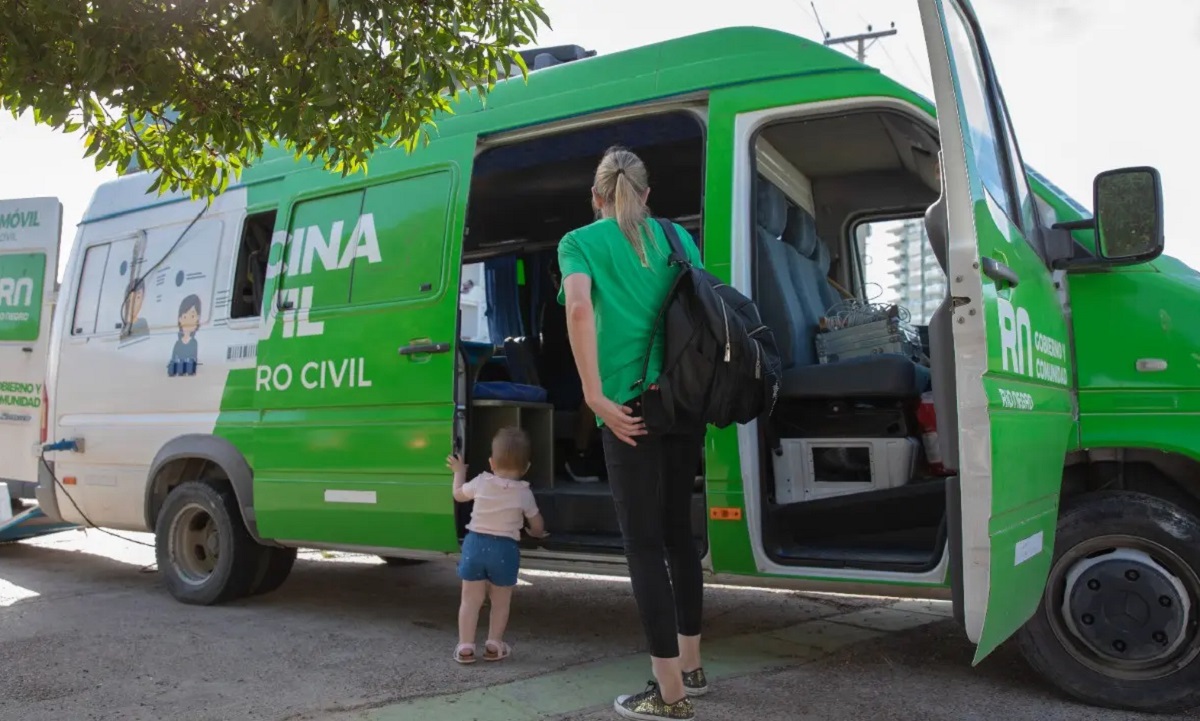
[(860, 39)]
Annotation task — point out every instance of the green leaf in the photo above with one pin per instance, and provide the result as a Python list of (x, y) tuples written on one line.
[(324, 79)]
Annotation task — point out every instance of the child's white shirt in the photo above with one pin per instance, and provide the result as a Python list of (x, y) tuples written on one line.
[(501, 505)]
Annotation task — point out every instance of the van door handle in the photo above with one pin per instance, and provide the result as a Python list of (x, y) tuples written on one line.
[(424, 348), (999, 272)]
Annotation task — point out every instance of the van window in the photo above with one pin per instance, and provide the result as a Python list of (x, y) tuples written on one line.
[(87, 294), (250, 271), (152, 278), (898, 266), (473, 304), (317, 259), (986, 141), (408, 220), (122, 268)]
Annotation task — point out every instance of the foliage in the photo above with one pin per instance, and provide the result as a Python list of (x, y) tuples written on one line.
[(195, 89)]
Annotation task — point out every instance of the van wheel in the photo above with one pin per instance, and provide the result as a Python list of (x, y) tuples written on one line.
[(1117, 624), (274, 566), (205, 555)]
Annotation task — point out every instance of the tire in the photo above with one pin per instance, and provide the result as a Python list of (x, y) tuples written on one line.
[(1133, 552), (399, 562), (195, 520), (274, 566)]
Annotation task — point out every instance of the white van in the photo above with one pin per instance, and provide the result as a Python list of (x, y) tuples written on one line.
[(29, 242)]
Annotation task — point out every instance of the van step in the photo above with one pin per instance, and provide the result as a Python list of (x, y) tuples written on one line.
[(595, 542), (587, 508), (577, 542)]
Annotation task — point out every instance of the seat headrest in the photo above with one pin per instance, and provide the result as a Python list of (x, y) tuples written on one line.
[(771, 209), (801, 233), (544, 60)]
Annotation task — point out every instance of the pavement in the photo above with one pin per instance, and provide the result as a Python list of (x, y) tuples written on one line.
[(87, 632)]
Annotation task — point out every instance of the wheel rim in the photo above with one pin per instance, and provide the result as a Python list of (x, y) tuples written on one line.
[(195, 544), (1125, 607)]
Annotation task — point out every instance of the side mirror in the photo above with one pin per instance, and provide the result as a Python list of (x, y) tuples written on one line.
[(1129, 215)]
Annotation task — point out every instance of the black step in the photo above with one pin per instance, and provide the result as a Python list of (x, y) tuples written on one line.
[(594, 543), (587, 509)]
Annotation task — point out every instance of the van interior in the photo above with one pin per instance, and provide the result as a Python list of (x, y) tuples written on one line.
[(524, 198), (845, 482)]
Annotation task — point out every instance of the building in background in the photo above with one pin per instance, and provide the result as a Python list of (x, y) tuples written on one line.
[(900, 267), (919, 283)]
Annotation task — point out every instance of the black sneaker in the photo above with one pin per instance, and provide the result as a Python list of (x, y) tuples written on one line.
[(695, 683), (649, 706)]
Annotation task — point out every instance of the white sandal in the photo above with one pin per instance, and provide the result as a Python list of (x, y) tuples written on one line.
[(463, 658), (496, 651)]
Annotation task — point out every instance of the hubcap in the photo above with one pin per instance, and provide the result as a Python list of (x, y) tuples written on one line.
[(195, 544), (1125, 607)]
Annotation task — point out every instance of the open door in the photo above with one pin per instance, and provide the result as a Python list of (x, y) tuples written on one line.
[(356, 365), (29, 240), (1011, 352)]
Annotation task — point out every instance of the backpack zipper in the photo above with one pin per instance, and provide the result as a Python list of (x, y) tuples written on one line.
[(725, 315), (757, 361)]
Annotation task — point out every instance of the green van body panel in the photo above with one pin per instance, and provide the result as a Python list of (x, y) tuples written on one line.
[(1120, 406)]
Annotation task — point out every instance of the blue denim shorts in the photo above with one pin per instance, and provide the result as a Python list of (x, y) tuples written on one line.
[(489, 558)]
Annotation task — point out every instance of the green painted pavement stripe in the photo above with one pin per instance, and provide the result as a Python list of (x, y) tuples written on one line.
[(595, 684)]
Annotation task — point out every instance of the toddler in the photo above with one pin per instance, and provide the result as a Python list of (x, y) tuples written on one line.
[(491, 555)]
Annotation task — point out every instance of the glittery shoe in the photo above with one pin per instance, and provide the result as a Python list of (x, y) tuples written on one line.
[(649, 706), (695, 683)]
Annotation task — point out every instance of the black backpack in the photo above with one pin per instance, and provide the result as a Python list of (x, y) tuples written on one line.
[(720, 361)]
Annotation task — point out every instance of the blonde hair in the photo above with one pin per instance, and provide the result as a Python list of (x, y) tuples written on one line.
[(511, 450), (621, 183)]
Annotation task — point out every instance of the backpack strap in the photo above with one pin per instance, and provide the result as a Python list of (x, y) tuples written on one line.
[(677, 257)]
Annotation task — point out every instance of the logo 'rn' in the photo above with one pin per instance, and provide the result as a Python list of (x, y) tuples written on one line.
[(16, 291), (1016, 338)]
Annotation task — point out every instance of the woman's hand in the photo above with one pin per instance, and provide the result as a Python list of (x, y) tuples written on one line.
[(619, 419)]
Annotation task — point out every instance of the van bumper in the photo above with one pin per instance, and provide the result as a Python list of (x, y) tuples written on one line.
[(20, 489)]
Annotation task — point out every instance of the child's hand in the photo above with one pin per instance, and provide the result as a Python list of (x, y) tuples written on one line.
[(455, 463)]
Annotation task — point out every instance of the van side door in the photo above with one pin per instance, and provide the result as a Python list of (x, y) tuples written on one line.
[(30, 229), (355, 371), (1011, 351)]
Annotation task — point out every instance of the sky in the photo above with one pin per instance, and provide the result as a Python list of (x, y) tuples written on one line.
[(1090, 84)]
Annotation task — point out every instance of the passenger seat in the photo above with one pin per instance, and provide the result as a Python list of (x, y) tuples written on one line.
[(794, 293)]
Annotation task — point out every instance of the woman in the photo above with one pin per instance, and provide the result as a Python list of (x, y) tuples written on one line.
[(189, 323), (615, 279)]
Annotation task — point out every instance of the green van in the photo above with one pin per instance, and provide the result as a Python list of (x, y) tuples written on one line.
[(289, 366)]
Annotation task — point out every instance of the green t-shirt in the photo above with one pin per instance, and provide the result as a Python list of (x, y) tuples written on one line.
[(627, 297)]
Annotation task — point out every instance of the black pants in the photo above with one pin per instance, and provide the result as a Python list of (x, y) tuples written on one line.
[(652, 488)]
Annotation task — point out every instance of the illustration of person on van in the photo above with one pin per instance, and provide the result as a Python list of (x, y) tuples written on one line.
[(134, 324), (189, 323)]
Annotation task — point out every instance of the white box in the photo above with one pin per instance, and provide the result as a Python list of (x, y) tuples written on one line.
[(810, 467)]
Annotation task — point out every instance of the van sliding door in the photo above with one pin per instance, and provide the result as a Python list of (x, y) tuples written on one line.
[(356, 378)]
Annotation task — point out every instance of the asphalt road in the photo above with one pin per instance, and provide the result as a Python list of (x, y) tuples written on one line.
[(87, 632)]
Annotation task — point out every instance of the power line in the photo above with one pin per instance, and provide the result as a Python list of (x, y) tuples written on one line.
[(858, 39)]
